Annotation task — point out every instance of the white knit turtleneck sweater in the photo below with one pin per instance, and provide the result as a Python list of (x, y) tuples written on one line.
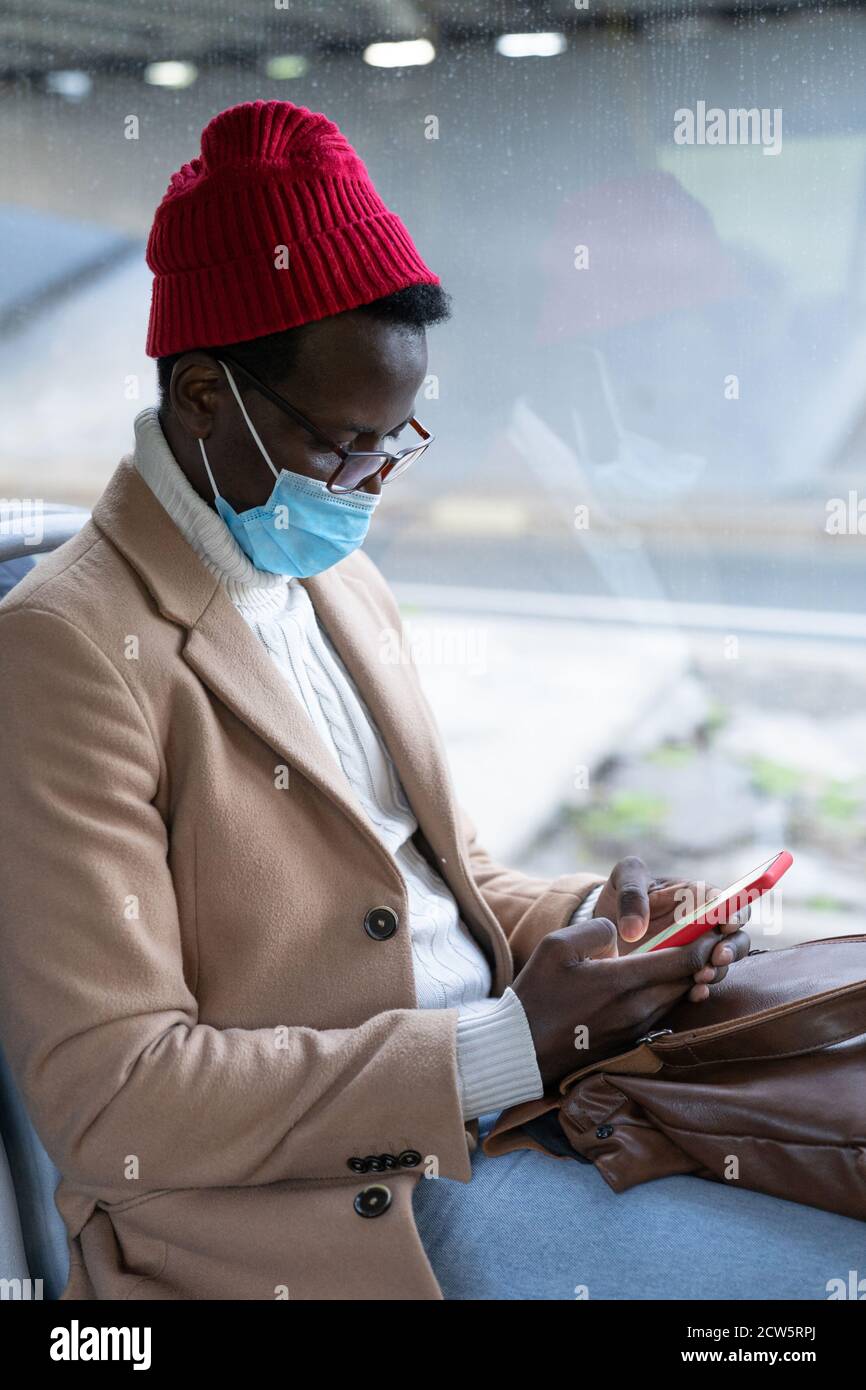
[(495, 1053)]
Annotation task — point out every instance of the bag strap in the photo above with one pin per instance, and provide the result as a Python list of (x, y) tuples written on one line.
[(639, 1059)]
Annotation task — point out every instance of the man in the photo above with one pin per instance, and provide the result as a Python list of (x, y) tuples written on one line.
[(259, 978)]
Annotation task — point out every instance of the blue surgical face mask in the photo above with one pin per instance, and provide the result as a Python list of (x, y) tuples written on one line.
[(303, 528)]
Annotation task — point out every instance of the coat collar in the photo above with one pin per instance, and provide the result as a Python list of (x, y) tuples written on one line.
[(226, 656)]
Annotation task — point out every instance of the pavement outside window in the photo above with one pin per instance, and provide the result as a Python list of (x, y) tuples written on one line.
[(574, 744)]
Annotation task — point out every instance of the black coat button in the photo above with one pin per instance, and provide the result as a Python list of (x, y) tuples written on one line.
[(604, 1132), (373, 1164), (389, 1161), (358, 1165), (380, 923), (410, 1158), (373, 1200)]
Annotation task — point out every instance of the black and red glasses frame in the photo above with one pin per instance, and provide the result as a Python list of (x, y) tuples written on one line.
[(356, 467)]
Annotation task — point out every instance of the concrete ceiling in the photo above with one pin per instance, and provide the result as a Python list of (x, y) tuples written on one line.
[(99, 34)]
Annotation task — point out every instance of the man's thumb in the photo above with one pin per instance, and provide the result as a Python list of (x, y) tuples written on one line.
[(593, 940)]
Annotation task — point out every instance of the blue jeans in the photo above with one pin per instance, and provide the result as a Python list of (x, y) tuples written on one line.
[(530, 1226)]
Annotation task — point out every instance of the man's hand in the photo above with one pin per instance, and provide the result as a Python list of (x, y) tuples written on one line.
[(640, 904), (584, 1004)]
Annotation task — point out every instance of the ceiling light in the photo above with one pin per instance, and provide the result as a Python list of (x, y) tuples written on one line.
[(286, 65), (530, 45), (170, 74), (407, 53), (68, 83)]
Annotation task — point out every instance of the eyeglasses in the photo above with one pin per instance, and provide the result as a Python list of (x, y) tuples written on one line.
[(356, 467)]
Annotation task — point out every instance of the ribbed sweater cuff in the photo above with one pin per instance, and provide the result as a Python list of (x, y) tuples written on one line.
[(587, 907), (496, 1057)]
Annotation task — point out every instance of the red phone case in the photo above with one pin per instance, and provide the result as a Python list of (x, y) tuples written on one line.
[(767, 880)]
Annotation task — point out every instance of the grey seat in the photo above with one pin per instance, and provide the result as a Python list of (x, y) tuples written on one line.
[(11, 1240), (32, 1235), (32, 1232), (13, 570), (58, 522)]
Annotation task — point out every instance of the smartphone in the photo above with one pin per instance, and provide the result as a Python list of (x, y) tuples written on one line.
[(733, 899)]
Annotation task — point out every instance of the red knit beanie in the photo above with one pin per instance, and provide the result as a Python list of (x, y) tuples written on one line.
[(274, 224)]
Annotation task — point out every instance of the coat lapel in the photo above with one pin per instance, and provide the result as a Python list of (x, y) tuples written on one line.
[(226, 655), (345, 603), (345, 606), (219, 647)]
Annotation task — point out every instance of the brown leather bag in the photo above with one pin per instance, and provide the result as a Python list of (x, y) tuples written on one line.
[(764, 1083)]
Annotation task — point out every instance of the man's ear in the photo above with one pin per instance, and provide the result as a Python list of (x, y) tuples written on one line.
[(196, 386)]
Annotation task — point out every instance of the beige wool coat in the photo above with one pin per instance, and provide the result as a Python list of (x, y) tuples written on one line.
[(203, 1030)]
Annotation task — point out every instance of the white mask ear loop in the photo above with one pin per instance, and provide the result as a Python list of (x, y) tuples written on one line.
[(250, 426), (207, 468)]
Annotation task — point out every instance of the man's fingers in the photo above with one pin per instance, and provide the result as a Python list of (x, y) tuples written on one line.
[(670, 963), (631, 879), (732, 947), (667, 899), (724, 954), (592, 940)]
